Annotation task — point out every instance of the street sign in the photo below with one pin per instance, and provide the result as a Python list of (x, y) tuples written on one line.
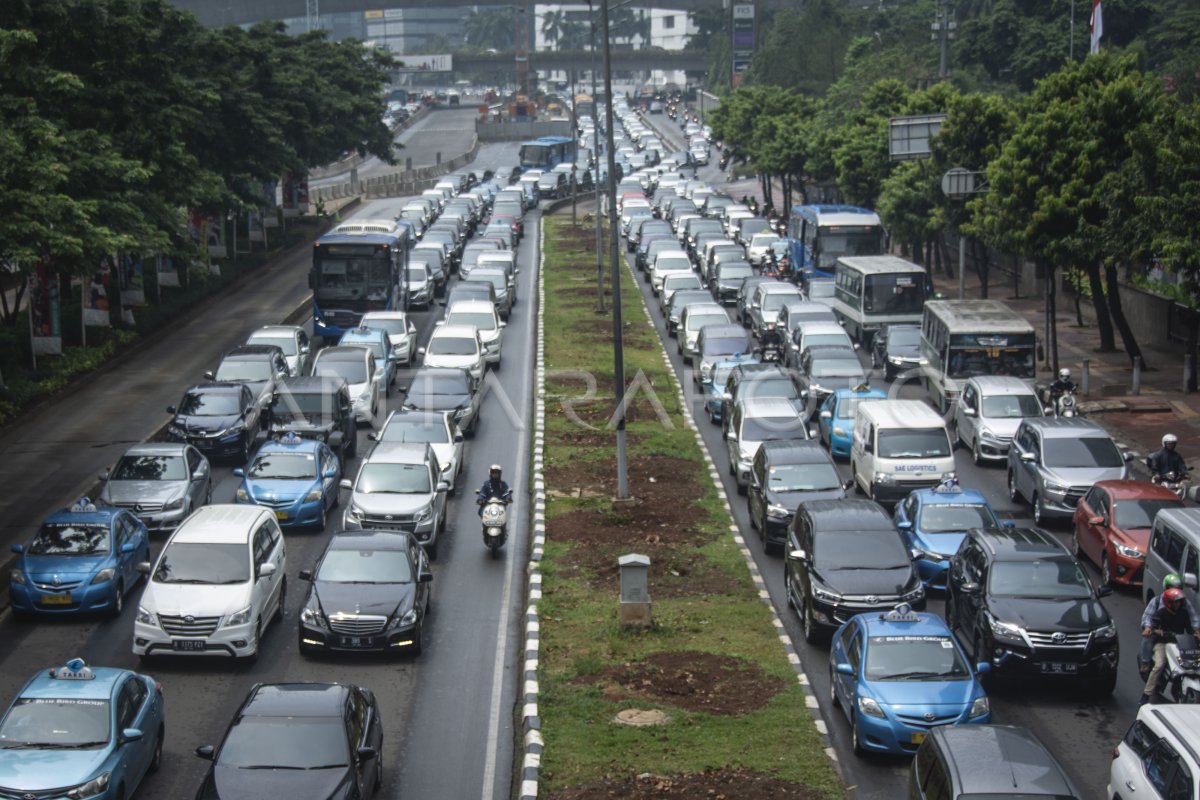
[(909, 137), (959, 183)]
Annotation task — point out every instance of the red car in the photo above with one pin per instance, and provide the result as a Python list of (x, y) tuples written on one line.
[(1112, 527)]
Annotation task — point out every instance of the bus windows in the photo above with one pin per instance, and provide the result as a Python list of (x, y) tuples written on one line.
[(969, 362), (893, 294)]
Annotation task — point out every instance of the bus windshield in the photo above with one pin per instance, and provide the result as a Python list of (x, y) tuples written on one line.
[(348, 276), (536, 155), (967, 362), (894, 294), (843, 240)]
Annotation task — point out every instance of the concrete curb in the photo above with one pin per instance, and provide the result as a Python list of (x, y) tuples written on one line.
[(531, 722)]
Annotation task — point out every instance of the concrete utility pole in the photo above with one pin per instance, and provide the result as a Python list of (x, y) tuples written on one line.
[(943, 31), (312, 14)]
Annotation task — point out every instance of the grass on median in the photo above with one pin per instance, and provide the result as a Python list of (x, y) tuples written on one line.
[(590, 667)]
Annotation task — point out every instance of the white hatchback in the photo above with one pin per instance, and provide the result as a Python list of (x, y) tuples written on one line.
[(1157, 759)]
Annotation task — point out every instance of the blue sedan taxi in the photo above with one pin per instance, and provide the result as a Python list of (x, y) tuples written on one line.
[(80, 731), (897, 675), (933, 523), (82, 559), (835, 420), (296, 478), (715, 393), (379, 343)]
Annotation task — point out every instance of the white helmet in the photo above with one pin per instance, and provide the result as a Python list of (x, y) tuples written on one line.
[(1169, 439), (1064, 374)]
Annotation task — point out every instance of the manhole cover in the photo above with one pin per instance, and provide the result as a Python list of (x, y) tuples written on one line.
[(641, 717)]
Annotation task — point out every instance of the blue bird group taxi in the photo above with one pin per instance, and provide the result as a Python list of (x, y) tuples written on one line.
[(81, 732), (82, 559), (898, 675), (835, 418), (297, 478), (933, 523)]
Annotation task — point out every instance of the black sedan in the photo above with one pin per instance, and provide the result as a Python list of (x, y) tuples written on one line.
[(369, 591), (311, 740), (896, 348)]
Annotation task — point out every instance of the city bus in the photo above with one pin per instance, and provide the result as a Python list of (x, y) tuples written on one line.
[(818, 235), (962, 339), (356, 271), (872, 291), (547, 152)]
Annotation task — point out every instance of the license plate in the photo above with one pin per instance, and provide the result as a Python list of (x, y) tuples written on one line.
[(1059, 668), (280, 515), (56, 600), (187, 644), (358, 641), (917, 738)]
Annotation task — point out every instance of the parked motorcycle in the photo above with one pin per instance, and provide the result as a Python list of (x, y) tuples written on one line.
[(495, 522), (1180, 680), (1179, 483)]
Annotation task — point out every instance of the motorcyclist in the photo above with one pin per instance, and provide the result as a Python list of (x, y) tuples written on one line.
[(1174, 617), (1063, 385), (494, 486), (771, 339), (1167, 459)]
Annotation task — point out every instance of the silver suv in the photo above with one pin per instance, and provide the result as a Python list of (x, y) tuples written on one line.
[(400, 488), (1053, 462), (987, 414)]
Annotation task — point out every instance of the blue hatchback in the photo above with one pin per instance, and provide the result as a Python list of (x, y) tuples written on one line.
[(933, 523), (900, 674), (80, 731), (835, 420), (82, 559), (296, 478)]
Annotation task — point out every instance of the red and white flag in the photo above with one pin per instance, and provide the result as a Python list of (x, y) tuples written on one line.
[(1097, 26)]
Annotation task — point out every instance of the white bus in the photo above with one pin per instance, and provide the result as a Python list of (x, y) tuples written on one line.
[(872, 291), (962, 339)]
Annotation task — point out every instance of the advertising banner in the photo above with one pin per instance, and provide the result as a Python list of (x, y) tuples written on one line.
[(132, 281), (96, 292), (287, 196), (45, 323), (744, 29), (167, 270)]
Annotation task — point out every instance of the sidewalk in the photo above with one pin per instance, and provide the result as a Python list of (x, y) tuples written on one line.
[(1139, 421)]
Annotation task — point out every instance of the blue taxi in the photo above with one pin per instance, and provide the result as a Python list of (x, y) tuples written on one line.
[(296, 478), (897, 675), (933, 523), (80, 731), (379, 343), (82, 559), (835, 418), (715, 389)]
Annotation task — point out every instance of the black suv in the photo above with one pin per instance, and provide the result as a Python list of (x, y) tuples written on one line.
[(1029, 609), (316, 407), (845, 557)]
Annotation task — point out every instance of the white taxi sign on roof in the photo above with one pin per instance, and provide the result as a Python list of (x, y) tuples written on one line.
[(75, 670), (83, 505), (949, 486), (901, 613), (291, 437)]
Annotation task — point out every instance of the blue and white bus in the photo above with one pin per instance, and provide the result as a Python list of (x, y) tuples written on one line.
[(548, 152), (356, 271), (818, 235)]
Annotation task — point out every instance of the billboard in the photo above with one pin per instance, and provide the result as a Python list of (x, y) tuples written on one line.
[(415, 63), (744, 27)]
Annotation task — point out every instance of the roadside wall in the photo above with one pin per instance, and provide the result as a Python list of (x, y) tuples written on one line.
[(401, 183)]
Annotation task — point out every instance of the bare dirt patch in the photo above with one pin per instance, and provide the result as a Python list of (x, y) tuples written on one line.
[(676, 570), (713, 784), (664, 489)]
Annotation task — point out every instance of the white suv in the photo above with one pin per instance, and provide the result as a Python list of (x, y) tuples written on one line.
[(1157, 757), (218, 583)]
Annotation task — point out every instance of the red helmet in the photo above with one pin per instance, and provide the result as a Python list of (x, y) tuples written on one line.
[(1173, 598)]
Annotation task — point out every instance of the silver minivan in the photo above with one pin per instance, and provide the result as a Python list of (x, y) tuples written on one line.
[(988, 411), (1054, 461), (1174, 547)]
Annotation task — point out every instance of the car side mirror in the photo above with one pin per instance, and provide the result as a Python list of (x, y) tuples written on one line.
[(345, 484), (200, 473), (970, 587), (366, 753), (1127, 455), (730, 436), (421, 350), (205, 751), (983, 668), (1095, 520), (826, 414), (1189, 580), (373, 436), (458, 437), (904, 525), (844, 669), (210, 375), (503, 324), (266, 570), (1104, 591), (130, 735), (968, 411), (331, 472), (171, 410), (425, 576), (142, 567), (104, 475), (18, 548), (812, 433), (1028, 458), (238, 472), (868, 447), (798, 555), (127, 548), (305, 575), (443, 486)]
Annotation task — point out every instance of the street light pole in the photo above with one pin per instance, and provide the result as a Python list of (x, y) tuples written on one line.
[(614, 255), (596, 177)]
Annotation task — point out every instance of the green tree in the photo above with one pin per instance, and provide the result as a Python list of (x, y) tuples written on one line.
[(553, 23)]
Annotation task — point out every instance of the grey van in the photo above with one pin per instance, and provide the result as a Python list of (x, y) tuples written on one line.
[(1054, 461), (1174, 547)]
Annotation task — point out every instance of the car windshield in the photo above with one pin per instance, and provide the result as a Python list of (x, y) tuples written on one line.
[(815, 339), (820, 289), (238, 370), (803, 478), (768, 387), (774, 301), (1086, 451), (452, 346), (209, 404), (285, 343), (54, 722), (207, 562), (418, 275), (373, 345), (672, 265), (70, 539), (365, 566), (402, 430), (384, 478), (868, 550), (697, 321), (291, 405), (735, 272), (350, 370), (914, 658), (1140, 513), (285, 743), (283, 466), (484, 321), (725, 345), (1011, 406), (944, 519), (765, 429), (914, 443), (835, 368), (149, 468), (904, 337), (437, 384), (396, 328), (1049, 579)]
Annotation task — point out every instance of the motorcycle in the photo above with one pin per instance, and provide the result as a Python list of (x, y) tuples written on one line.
[(771, 354), (1181, 675), (495, 521), (1179, 483)]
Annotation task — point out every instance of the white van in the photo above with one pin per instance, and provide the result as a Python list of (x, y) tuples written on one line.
[(898, 446)]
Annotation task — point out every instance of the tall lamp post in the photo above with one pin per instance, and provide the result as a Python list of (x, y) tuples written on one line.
[(596, 177)]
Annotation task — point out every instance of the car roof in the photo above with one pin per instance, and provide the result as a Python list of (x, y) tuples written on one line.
[(220, 523), (814, 326), (363, 332), (85, 511), (846, 515), (290, 444), (794, 451), (1062, 427), (1001, 384), (902, 414), (768, 407), (417, 415), (990, 758), (157, 449), (370, 539), (455, 332), (399, 453), (945, 496), (384, 315), (1136, 490), (311, 384), (296, 700), (867, 393), (252, 351), (441, 372), (473, 305), (1019, 544), (901, 624), (59, 682), (343, 352), (1183, 519)]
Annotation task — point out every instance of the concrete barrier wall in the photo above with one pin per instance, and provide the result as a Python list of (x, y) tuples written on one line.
[(403, 183), (520, 131), (347, 164)]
